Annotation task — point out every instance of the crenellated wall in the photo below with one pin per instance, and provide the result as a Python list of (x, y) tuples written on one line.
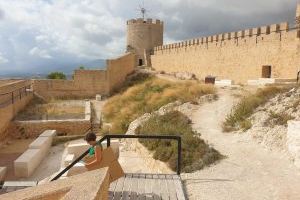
[(88, 83), (238, 56)]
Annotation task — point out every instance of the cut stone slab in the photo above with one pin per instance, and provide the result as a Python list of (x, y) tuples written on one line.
[(2, 173), (68, 160), (224, 83), (78, 148), (48, 133), (19, 184), (43, 143), (26, 164)]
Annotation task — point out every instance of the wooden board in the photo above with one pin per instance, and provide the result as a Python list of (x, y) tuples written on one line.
[(147, 187)]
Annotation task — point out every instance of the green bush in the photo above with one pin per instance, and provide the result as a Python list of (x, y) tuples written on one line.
[(195, 152), (57, 75)]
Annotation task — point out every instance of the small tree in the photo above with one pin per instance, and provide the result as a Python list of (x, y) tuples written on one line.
[(56, 75), (81, 67)]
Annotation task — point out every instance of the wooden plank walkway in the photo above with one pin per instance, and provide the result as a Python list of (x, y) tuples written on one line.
[(147, 187)]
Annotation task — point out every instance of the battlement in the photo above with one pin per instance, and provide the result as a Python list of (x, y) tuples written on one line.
[(243, 34), (142, 21)]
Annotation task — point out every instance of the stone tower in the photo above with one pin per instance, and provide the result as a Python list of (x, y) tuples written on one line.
[(142, 37)]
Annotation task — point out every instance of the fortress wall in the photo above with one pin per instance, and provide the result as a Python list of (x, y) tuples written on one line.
[(7, 113), (118, 69), (86, 83), (238, 56)]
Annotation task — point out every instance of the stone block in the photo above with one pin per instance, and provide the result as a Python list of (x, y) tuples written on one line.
[(48, 133), (265, 30), (293, 141), (2, 173), (241, 34), (25, 165), (78, 148), (42, 143), (284, 26), (257, 31), (99, 97), (274, 28), (224, 83), (248, 33), (20, 184), (68, 159)]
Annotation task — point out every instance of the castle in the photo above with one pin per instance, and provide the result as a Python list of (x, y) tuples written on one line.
[(268, 52)]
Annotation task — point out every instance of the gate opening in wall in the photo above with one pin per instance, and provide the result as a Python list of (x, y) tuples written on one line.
[(140, 62), (266, 71)]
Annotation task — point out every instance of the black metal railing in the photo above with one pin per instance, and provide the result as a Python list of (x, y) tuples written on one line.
[(108, 139), (11, 97)]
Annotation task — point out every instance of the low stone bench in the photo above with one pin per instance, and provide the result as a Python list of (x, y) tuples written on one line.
[(26, 164), (2, 173)]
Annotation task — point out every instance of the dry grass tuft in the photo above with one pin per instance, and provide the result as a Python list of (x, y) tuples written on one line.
[(237, 119), (148, 96)]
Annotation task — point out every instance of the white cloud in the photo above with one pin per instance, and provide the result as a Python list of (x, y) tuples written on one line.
[(94, 29), (40, 52), (3, 59)]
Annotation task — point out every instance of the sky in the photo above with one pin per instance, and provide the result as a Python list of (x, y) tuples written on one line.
[(47, 35)]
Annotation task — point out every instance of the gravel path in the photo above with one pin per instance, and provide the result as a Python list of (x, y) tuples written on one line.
[(248, 172)]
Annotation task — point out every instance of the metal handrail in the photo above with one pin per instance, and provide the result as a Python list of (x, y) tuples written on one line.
[(109, 137), (14, 95)]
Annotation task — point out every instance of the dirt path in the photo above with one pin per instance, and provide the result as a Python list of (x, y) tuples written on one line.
[(248, 172)]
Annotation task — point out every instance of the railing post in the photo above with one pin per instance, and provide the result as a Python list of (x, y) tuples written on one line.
[(179, 156), (108, 141)]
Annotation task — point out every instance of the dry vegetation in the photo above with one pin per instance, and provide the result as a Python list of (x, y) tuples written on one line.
[(38, 110), (238, 118), (195, 152), (147, 95)]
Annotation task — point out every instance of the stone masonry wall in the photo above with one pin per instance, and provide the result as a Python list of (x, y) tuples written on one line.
[(9, 111), (118, 69), (88, 83), (238, 56)]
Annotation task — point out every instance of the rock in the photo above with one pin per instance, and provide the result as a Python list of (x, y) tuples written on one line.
[(185, 76)]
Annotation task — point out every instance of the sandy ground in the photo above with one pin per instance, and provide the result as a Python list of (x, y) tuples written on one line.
[(248, 172)]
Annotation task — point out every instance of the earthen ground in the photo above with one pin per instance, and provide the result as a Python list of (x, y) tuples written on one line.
[(249, 171)]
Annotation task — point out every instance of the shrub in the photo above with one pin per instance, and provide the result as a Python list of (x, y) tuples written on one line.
[(237, 119), (279, 118), (147, 96), (57, 75), (195, 152)]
